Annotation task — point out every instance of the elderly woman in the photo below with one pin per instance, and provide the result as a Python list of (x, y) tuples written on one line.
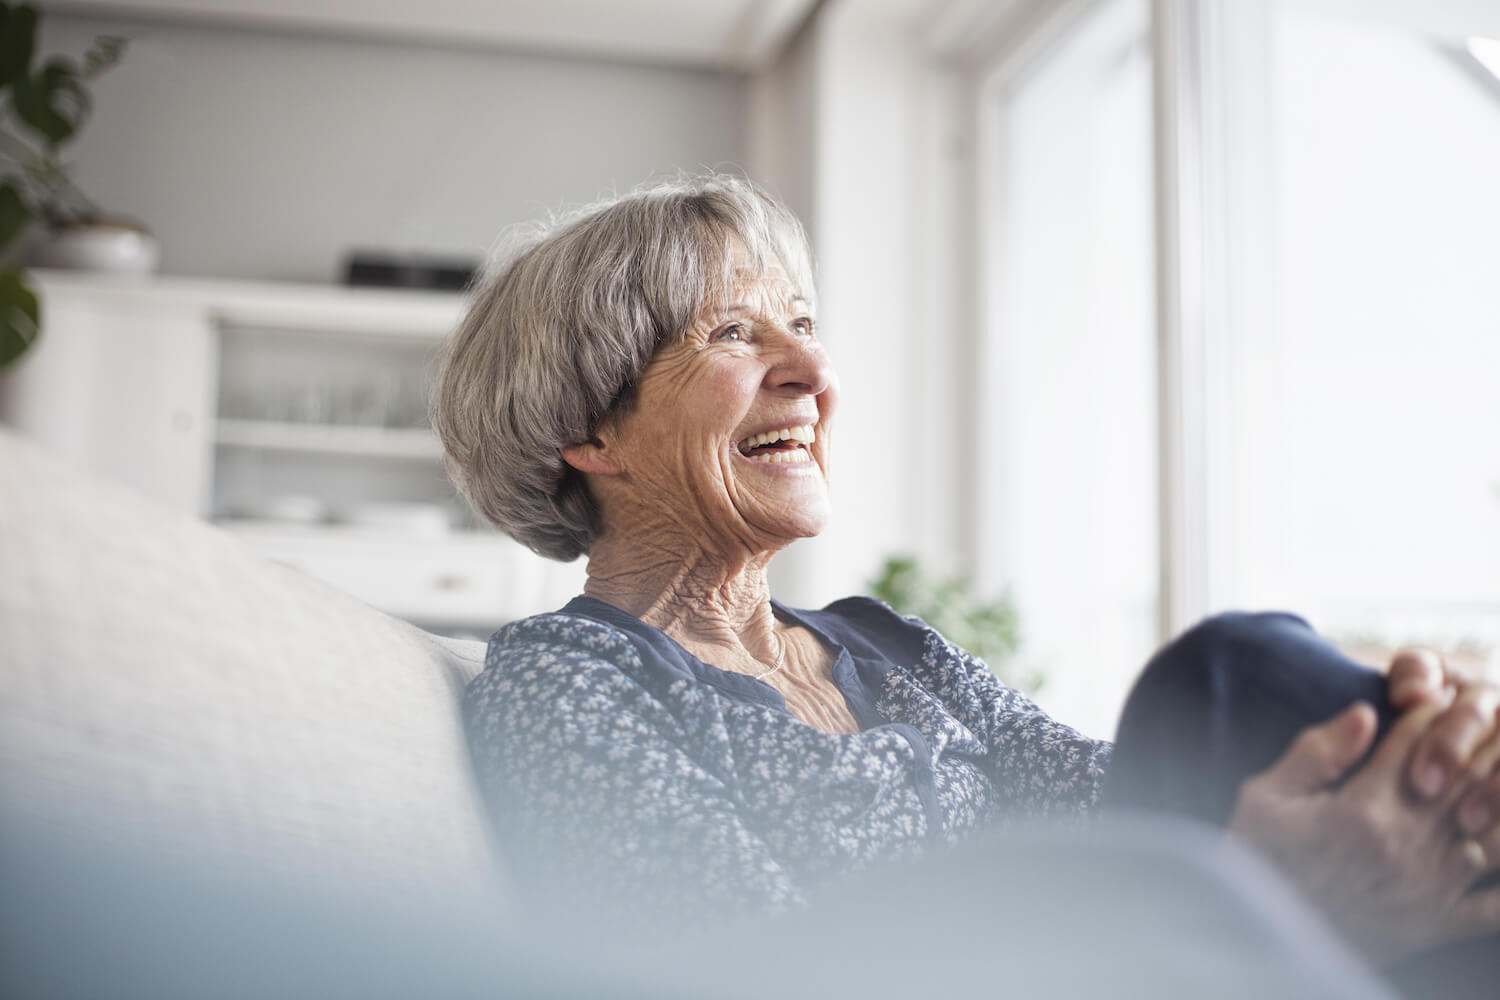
[(643, 382)]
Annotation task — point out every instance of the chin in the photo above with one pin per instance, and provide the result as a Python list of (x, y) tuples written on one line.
[(811, 522), (807, 521)]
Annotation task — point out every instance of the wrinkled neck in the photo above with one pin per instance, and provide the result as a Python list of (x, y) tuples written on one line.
[(699, 598)]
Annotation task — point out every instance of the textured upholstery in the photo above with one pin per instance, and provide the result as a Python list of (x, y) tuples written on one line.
[(163, 687)]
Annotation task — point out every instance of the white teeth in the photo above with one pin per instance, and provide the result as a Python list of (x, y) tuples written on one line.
[(782, 457), (802, 435)]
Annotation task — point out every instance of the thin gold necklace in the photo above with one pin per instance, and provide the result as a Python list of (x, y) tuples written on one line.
[(780, 655)]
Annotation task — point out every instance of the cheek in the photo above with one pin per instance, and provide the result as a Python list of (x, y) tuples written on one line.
[(721, 403), (733, 382)]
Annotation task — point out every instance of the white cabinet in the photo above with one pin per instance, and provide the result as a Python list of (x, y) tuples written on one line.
[(295, 416), (121, 384)]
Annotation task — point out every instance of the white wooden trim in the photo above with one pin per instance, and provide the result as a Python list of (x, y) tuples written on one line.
[(718, 34), (1030, 33), (1210, 60), (989, 53)]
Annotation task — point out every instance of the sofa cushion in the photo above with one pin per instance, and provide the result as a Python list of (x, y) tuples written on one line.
[(163, 686)]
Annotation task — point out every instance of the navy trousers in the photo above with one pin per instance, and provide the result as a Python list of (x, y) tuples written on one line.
[(1223, 702)]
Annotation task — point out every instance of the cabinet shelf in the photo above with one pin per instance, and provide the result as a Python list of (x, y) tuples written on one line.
[(329, 439), (223, 398)]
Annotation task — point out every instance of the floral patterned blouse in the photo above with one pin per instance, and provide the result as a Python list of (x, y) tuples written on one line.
[(622, 772)]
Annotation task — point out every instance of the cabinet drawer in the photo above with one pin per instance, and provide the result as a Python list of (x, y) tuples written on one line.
[(420, 589), (478, 582)]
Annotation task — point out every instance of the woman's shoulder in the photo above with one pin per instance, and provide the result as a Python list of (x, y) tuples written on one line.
[(866, 623), (871, 610), (905, 640), (556, 631), (544, 656)]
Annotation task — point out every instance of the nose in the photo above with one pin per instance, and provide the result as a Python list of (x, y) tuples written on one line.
[(800, 366)]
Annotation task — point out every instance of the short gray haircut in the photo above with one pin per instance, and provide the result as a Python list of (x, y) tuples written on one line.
[(569, 315)]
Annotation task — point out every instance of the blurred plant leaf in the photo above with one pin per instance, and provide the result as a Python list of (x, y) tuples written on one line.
[(54, 102), (14, 215), (20, 316), (105, 52), (17, 41), (50, 105), (988, 629)]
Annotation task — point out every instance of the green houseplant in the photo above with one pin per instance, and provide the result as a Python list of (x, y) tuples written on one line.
[(990, 629), (45, 104)]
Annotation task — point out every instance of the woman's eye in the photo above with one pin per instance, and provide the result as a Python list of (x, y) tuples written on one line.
[(733, 332), (803, 326)]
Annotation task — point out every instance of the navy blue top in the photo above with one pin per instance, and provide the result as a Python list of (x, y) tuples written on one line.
[(624, 772)]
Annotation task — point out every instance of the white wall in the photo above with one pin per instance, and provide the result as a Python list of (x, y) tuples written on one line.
[(783, 102), (864, 185), (265, 155)]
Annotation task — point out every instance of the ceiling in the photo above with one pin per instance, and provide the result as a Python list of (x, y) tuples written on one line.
[(718, 34), (722, 34)]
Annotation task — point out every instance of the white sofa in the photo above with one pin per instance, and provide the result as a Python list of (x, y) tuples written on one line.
[(175, 709), (160, 678), (220, 778)]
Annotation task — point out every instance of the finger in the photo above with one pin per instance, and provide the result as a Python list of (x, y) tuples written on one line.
[(1415, 675), (1385, 769), (1444, 750), (1479, 806), (1481, 856), (1322, 754)]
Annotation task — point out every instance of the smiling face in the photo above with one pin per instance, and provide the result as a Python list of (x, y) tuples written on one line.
[(726, 444)]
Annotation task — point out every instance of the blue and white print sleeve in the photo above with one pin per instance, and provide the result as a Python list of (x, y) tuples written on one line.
[(591, 790), (1042, 769)]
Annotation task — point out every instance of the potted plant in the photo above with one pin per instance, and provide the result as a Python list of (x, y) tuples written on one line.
[(42, 107)]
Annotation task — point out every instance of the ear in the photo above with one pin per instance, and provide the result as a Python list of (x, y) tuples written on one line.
[(592, 457)]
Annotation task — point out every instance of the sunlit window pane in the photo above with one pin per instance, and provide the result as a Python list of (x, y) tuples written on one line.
[(1070, 443), (1384, 429)]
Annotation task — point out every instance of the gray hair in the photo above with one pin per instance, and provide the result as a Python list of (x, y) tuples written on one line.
[(565, 322)]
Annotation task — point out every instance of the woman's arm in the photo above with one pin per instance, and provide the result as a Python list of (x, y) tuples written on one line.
[(1041, 768)]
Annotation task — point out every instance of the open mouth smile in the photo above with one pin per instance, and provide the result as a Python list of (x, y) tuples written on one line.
[(789, 445)]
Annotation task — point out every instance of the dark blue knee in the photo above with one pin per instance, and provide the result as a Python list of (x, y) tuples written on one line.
[(1222, 651), (1259, 668), (1223, 701)]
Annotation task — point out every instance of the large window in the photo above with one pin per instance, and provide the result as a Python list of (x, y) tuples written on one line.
[(1382, 428), (1242, 330), (1069, 451)]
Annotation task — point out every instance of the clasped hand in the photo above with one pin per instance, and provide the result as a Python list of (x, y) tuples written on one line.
[(1393, 851)]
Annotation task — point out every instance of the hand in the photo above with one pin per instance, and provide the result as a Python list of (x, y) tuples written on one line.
[(1471, 716), (1390, 871)]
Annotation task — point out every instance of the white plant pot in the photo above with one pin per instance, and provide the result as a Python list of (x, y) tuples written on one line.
[(114, 248)]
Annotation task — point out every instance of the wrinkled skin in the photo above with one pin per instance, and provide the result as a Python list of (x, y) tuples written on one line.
[(1381, 851)]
